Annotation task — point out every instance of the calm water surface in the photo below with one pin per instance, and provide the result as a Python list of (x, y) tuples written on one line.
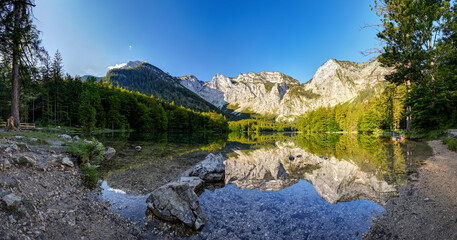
[(276, 186)]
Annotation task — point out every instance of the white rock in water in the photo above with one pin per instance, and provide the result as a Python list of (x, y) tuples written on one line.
[(177, 201), (67, 162), (212, 169), (109, 153)]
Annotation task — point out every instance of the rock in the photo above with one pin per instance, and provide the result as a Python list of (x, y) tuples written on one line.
[(212, 169), (282, 173), (25, 160), (11, 200), (5, 164), (75, 138), (12, 148), (177, 202), (109, 153), (299, 156), (88, 142), (325, 158), (33, 140), (291, 158), (67, 162), (138, 148), (11, 218), (194, 182), (65, 136)]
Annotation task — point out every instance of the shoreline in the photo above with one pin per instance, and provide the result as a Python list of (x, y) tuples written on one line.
[(48, 198), (427, 206)]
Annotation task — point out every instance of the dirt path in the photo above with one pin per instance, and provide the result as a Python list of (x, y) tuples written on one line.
[(427, 207)]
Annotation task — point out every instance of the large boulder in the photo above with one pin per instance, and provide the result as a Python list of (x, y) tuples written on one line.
[(212, 169), (109, 153), (177, 202)]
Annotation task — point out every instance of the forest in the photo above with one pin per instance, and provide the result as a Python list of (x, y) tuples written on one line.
[(419, 39), (50, 99)]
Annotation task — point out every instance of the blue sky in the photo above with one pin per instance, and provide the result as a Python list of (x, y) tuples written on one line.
[(205, 37)]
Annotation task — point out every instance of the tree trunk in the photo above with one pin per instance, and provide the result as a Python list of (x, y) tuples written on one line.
[(408, 108), (15, 74), (10, 124)]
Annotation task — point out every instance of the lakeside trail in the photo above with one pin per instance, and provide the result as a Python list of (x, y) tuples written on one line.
[(427, 207)]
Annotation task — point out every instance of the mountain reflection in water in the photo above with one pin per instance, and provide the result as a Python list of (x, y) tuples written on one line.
[(266, 195)]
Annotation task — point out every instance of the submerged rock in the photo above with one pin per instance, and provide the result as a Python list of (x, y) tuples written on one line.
[(109, 153), (212, 169), (177, 202)]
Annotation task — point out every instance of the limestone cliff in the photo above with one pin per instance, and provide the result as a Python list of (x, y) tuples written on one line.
[(277, 94)]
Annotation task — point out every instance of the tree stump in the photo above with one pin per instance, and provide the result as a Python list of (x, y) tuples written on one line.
[(10, 124)]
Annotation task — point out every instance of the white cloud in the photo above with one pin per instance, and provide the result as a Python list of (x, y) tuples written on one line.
[(117, 66)]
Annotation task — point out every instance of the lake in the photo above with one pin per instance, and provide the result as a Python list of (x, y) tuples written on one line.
[(276, 185)]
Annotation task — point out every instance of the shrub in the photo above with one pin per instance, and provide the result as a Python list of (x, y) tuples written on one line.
[(88, 151), (90, 175), (450, 142)]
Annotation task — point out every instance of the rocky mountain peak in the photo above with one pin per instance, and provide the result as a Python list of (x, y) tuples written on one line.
[(281, 95)]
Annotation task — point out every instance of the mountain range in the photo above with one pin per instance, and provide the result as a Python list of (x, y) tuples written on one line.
[(267, 93)]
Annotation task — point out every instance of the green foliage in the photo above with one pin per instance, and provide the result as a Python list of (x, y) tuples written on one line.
[(369, 112), (88, 152), (258, 125), (90, 175), (420, 43), (451, 142), (86, 111), (299, 90)]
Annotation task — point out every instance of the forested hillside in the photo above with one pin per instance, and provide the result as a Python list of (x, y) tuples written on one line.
[(48, 98), (380, 108), (150, 80)]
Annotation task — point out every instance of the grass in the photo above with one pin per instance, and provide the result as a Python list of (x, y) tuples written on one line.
[(451, 143)]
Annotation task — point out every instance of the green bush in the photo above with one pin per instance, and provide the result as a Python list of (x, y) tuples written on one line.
[(450, 142), (88, 152), (90, 175)]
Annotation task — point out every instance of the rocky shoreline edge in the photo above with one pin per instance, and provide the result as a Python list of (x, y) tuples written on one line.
[(43, 196)]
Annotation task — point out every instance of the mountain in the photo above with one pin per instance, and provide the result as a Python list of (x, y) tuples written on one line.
[(150, 80), (274, 93)]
